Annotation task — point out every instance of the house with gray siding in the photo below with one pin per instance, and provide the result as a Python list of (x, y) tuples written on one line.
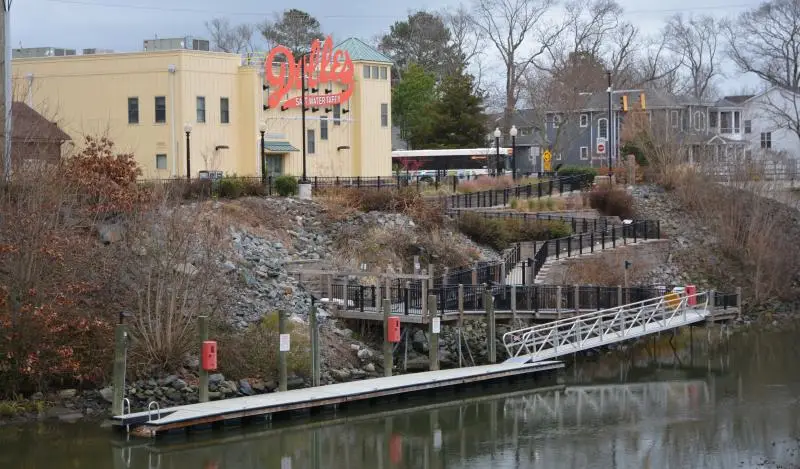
[(707, 131)]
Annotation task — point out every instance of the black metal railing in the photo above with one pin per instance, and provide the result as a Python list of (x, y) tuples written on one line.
[(495, 197)]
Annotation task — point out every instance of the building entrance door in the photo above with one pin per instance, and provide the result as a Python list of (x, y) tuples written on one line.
[(274, 165)]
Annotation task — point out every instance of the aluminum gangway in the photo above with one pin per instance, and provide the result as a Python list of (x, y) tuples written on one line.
[(604, 327)]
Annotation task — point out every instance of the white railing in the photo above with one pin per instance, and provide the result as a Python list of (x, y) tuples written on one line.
[(586, 331)]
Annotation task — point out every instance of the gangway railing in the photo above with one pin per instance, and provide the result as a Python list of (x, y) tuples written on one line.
[(591, 330)]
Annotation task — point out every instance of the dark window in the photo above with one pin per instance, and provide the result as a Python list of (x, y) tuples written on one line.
[(224, 111), (161, 109), (133, 110), (201, 109), (312, 144), (375, 72), (161, 161), (748, 126), (766, 139), (366, 71), (323, 128), (384, 115), (384, 73), (337, 114)]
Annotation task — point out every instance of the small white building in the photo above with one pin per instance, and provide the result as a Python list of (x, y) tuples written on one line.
[(768, 120)]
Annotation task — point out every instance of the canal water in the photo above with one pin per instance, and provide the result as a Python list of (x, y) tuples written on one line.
[(675, 402)]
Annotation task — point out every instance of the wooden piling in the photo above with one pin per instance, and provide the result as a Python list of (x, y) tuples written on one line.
[(120, 345), (434, 325), (202, 329), (315, 352), (387, 346), (282, 365), (460, 321), (576, 298), (491, 340)]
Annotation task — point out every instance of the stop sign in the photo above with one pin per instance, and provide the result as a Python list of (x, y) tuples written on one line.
[(601, 148)]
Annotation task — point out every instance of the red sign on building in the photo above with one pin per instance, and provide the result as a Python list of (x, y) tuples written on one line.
[(322, 65)]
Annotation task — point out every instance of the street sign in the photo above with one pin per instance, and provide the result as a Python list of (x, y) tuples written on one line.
[(601, 148), (547, 158)]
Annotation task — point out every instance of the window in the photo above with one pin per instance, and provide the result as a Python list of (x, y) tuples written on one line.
[(602, 128), (337, 114), (366, 71), (725, 123), (384, 73), (224, 111), (737, 122), (558, 156), (375, 72), (584, 120), (556, 120), (201, 109), (161, 109), (712, 120), (161, 161), (323, 128), (766, 139), (312, 147), (584, 153), (699, 120), (133, 110), (384, 115), (748, 126), (674, 118)]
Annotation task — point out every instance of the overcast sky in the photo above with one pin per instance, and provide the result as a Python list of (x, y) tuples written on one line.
[(121, 25)]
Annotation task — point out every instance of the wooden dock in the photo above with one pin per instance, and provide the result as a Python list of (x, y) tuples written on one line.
[(153, 423)]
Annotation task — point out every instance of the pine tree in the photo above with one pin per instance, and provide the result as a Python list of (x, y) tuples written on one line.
[(458, 114)]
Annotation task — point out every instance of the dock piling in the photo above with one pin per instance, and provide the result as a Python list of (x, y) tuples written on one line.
[(282, 371), (120, 344), (488, 302), (387, 346), (435, 328), (202, 329), (313, 329)]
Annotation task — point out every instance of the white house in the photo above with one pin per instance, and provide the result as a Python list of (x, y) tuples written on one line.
[(769, 118)]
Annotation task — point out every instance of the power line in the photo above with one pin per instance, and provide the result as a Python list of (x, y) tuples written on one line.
[(262, 13)]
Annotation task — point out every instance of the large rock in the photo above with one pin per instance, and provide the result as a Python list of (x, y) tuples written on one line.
[(107, 394), (110, 233), (419, 342)]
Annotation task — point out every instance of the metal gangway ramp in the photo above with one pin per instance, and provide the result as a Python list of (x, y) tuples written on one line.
[(599, 328)]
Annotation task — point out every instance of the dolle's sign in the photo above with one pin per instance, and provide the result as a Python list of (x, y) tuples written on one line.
[(322, 65)]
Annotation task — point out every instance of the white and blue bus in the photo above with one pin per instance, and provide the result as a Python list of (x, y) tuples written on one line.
[(464, 163)]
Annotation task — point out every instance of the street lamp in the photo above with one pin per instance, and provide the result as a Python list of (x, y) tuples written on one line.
[(497, 135), (187, 127), (262, 128), (513, 133)]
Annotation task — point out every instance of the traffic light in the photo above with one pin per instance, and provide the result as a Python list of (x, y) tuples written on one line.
[(642, 101), (623, 102)]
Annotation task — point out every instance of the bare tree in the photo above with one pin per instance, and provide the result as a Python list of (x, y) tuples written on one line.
[(229, 38), (658, 67), (294, 29), (696, 41), (509, 25), (466, 39), (766, 42)]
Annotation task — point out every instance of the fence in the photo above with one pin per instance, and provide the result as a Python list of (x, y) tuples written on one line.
[(408, 300), (495, 197), (576, 224)]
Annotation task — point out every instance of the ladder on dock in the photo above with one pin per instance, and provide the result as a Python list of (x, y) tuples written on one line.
[(596, 329)]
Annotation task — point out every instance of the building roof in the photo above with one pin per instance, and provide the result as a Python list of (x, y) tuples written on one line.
[(738, 99), (29, 125), (360, 51)]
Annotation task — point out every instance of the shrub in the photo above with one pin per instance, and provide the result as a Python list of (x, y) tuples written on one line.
[(485, 231), (586, 174), (500, 233), (254, 352), (286, 186), (230, 187), (376, 200), (612, 202)]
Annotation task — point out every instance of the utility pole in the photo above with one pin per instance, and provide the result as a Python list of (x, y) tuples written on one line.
[(6, 38), (610, 143)]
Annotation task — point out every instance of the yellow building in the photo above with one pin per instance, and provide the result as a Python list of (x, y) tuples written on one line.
[(144, 102)]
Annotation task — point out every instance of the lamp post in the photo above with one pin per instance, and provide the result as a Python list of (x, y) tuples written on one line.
[(497, 135), (303, 110), (262, 128), (513, 133), (187, 127)]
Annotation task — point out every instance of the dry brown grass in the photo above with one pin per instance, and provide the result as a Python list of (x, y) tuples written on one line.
[(608, 268)]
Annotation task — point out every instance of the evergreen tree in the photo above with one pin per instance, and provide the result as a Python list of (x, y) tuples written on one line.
[(458, 118), (412, 100)]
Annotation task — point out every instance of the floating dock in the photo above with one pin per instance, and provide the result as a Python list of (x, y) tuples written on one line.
[(155, 422)]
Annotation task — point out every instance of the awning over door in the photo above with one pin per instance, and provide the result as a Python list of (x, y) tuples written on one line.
[(278, 146)]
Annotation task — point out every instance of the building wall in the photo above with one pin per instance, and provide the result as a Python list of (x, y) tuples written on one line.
[(760, 112), (88, 95)]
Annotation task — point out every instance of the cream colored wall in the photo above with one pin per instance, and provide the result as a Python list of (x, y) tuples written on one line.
[(374, 156), (327, 160), (88, 95)]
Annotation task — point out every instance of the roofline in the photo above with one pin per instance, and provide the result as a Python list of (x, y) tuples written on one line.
[(133, 54)]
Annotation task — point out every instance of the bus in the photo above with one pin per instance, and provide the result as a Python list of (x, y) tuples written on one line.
[(465, 163)]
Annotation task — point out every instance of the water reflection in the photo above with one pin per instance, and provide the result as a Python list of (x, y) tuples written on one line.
[(682, 401)]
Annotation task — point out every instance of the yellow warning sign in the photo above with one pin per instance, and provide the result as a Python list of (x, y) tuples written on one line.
[(547, 157), (672, 299)]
